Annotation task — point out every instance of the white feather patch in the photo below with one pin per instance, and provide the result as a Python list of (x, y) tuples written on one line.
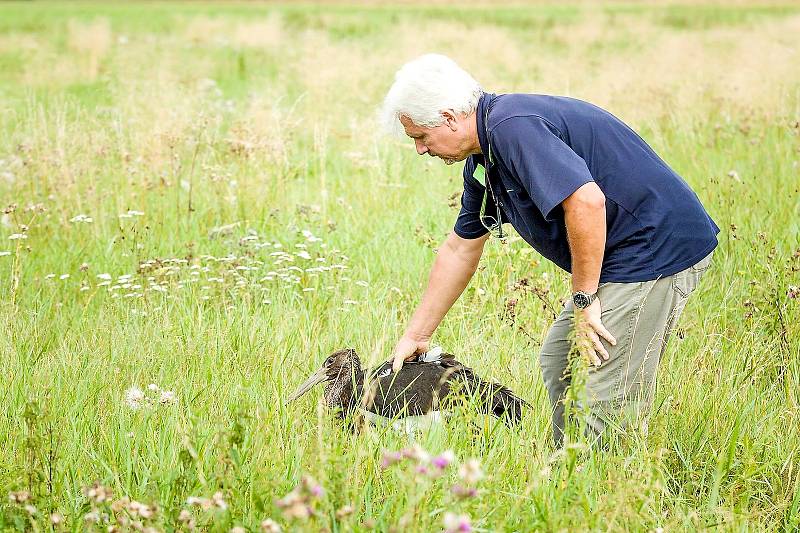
[(407, 424), (432, 355)]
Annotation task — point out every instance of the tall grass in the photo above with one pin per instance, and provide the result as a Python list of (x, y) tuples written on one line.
[(195, 197)]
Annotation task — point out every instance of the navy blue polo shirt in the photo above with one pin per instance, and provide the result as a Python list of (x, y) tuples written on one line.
[(544, 148)]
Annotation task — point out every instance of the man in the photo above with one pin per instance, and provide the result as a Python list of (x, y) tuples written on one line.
[(587, 193)]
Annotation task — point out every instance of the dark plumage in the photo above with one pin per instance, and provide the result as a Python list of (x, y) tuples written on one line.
[(428, 383)]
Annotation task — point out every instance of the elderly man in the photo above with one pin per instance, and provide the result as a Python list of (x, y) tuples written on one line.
[(585, 191)]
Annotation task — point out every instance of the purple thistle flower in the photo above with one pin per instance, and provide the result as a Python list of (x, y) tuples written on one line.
[(389, 458), (464, 492), (443, 461)]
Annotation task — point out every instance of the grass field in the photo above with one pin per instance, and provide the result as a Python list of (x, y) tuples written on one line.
[(196, 197)]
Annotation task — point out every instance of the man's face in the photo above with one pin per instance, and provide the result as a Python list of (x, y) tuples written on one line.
[(445, 142)]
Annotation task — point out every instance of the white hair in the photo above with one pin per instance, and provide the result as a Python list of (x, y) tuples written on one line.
[(425, 87)]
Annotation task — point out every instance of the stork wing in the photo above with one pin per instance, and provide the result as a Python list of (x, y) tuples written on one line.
[(425, 382), (414, 390)]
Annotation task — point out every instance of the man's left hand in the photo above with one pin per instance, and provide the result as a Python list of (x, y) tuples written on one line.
[(592, 329)]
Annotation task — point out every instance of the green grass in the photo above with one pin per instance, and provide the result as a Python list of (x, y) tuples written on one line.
[(108, 108)]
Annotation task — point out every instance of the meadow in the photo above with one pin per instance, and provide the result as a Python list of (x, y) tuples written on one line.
[(199, 207)]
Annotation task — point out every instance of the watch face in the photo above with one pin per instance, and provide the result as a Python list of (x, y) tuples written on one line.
[(581, 300)]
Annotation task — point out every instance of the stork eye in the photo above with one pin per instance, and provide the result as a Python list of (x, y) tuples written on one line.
[(328, 361)]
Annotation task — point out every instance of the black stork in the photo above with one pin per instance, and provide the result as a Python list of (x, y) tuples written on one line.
[(425, 385)]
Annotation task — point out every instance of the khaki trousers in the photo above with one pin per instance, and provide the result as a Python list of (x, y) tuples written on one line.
[(641, 316)]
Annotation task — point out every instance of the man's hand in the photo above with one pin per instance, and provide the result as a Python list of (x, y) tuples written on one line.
[(456, 262), (406, 349), (591, 328)]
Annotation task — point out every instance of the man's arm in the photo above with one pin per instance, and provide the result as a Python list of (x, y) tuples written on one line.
[(454, 266), (585, 218)]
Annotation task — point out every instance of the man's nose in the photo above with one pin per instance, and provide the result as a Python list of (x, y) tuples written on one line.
[(421, 148)]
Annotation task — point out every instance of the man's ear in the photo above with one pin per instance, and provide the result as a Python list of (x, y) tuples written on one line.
[(450, 120)]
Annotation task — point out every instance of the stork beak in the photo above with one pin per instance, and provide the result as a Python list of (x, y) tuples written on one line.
[(316, 378)]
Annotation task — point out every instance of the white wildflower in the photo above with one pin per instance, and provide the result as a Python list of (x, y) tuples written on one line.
[(81, 218), (17, 236), (310, 236), (167, 397), (134, 397)]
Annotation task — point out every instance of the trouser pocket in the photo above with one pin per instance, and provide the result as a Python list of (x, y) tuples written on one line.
[(686, 281)]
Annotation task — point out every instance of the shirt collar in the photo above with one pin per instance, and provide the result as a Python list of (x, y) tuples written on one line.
[(480, 113)]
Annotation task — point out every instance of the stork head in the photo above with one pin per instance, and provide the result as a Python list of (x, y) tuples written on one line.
[(339, 366)]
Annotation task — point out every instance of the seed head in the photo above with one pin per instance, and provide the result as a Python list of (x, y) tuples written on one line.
[(97, 493), (21, 496), (186, 518), (167, 397), (270, 526), (219, 502), (471, 472), (344, 511)]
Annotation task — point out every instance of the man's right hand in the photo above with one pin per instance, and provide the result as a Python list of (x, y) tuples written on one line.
[(406, 349), (455, 264)]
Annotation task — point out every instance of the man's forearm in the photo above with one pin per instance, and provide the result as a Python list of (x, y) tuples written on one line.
[(585, 218), (450, 274)]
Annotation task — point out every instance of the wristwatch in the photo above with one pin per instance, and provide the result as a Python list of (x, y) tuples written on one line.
[(582, 299)]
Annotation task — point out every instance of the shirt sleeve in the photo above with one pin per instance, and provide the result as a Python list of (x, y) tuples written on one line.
[(468, 224), (547, 168)]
